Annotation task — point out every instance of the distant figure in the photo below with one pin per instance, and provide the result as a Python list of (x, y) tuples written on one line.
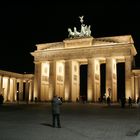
[(104, 99), (108, 101), (138, 99), (130, 102), (77, 100), (99, 100), (35, 99), (123, 101), (56, 102)]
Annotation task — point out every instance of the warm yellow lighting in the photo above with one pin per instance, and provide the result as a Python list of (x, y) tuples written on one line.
[(45, 68)]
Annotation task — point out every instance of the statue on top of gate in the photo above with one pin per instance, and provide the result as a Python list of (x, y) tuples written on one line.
[(85, 30)]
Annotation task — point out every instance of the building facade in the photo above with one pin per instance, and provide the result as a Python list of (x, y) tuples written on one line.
[(16, 87), (57, 67), (57, 70)]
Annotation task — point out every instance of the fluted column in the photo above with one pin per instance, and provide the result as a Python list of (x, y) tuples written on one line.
[(136, 86), (45, 68), (27, 90), (68, 80), (52, 79), (37, 80), (11, 90), (111, 79), (133, 88), (60, 70), (14, 96), (97, 81), (139, 86), (20, 90), (1, 84), (74, 80), (128, 66), (91, 80), (31, 91), (8, 89)]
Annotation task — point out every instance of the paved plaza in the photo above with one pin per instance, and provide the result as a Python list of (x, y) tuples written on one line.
[(79, 122)]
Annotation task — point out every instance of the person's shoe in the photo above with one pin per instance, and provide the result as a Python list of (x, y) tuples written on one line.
[(59, 126)]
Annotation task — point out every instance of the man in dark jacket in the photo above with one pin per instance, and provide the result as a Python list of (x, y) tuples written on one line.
[(56, 102)]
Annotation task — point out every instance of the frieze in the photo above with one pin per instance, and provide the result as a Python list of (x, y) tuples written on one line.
[(80, 53)]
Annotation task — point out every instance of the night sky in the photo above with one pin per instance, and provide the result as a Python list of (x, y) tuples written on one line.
[(24, 24)]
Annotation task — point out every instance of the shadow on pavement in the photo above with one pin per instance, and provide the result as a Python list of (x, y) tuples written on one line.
[(47, 124)]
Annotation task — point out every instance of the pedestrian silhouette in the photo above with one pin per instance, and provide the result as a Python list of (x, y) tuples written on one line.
[(123, 101), (130, 102), (138, 99), (56, 102), (108, 101)]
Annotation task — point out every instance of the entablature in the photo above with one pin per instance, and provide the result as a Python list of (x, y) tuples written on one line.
[(81, 53)]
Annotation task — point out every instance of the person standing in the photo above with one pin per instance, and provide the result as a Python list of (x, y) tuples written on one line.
[(56, 102), (108, 101), (130, 102), (138, 99), (123, 101)]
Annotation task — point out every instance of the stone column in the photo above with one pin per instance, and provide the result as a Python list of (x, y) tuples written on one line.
[(111, 79), (128, 64), (45, 70), (136, 87), (114, 77), (14, 89), (139, 86), (52, 79), (37, 80), (8, 89), (133, 88), (27, 91), (97, 80), (74, 80), (91, 80), (71, 80), (20, 90), (68, 80), (31, 91), (60, 70), (1, 84)]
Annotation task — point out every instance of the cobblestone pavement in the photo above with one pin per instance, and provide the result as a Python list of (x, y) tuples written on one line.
[(79, 122)]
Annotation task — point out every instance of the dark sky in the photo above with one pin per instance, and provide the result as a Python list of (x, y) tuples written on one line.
[(24, 24)]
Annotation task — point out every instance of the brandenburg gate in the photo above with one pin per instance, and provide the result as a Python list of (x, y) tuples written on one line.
[(57, 65)]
